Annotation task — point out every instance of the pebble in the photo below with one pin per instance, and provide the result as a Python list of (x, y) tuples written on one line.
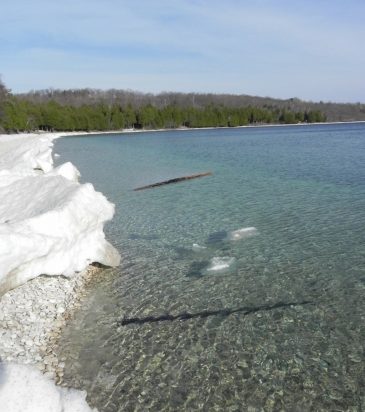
[(33, 315)]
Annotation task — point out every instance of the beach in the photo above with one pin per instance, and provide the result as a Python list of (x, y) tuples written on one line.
[(51, 231), (35, 310), (32, 314)]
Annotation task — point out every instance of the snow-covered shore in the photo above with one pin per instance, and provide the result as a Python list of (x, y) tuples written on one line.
[(49, 225)]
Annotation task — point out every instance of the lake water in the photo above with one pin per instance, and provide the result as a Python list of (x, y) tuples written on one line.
[(268, 318)]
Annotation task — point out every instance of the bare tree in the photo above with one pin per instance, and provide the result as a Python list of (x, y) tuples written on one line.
[(124, 98), (3, 91), (3, 95)]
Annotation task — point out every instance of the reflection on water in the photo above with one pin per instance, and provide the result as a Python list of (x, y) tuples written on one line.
[(244, 291)]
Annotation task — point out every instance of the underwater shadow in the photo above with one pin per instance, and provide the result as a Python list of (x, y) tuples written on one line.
[(217, 237), (244, 310), (196, 269)]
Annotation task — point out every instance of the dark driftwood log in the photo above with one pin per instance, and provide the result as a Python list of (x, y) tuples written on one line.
[(206, 313), (176, 180)]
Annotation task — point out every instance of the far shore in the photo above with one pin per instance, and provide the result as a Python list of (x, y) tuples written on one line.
[(59, 134)]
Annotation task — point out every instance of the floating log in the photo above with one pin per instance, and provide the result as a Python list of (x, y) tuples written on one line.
[(175, 180)]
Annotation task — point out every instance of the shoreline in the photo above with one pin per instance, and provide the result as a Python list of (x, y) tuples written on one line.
[(33, 295), (51, 233), (33, 315), (56, 306), (183, 129), (61, 134)]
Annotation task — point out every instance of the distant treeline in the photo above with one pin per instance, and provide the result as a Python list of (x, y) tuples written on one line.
[(22, 115), (89, 109)]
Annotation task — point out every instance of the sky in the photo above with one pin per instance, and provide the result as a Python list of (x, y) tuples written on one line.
[(309, 49)]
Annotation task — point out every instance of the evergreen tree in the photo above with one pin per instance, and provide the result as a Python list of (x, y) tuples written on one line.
[(22, 114), (3, 97), (117, 118), (130, 118)]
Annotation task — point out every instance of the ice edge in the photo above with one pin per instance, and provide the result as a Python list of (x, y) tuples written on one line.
[(49, 224)]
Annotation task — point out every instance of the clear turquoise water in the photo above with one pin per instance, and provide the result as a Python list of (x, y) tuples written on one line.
[(303, 189)]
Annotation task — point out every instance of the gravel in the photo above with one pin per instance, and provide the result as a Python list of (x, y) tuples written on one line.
[(32, 317)]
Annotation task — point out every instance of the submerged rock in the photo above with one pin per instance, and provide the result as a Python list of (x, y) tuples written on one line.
[(242, 233)]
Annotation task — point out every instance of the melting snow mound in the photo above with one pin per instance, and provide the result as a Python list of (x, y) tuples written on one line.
[(24, 389), (49, 223)]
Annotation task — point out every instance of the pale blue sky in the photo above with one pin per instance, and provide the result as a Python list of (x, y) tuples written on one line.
[(311, 49)]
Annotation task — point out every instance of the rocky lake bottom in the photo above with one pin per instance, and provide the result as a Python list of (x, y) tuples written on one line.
[(243, 290)]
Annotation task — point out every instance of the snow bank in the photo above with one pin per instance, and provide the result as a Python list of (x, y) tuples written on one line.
[(49, 223), (24, 389)]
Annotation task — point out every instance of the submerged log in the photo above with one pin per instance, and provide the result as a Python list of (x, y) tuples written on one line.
[(245, 311), (175, 180)]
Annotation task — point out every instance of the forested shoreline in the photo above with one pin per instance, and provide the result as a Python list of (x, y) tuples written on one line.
[(20, 115), (97, 110)]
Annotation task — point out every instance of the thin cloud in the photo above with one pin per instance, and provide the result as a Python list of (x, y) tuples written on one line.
[(260, 47)]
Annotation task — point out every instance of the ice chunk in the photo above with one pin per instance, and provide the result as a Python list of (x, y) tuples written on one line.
[(49, 223), (26, 152), (67, 170)]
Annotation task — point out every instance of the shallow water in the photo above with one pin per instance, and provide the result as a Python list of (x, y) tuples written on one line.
[(207, 321)]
